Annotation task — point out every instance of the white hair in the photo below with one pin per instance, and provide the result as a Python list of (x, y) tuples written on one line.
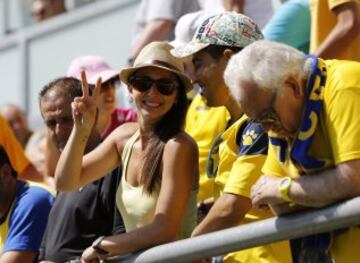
[(266, 65)]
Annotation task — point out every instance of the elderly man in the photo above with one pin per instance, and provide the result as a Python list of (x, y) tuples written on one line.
[(311, 108)]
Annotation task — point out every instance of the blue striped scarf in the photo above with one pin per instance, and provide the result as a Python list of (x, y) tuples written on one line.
[(313, 248)]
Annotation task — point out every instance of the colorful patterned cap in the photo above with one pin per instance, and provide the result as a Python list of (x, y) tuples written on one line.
[(226, 29)]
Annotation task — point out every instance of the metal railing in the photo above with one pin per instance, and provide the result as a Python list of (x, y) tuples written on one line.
[(341, 215)]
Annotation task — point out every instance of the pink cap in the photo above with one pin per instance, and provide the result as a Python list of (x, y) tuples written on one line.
[(94, 67)]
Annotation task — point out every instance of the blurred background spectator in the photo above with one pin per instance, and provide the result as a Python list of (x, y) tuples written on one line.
[(156, 20), (33, 142), (283, 27), (17, 121), (335, 29), (258, 10), (44, 9), (96, 67)]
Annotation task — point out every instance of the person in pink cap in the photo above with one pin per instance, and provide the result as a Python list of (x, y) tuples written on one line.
[(110, 116)]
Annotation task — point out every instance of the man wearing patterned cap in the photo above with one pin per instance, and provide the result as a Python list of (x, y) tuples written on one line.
[(237, 155)]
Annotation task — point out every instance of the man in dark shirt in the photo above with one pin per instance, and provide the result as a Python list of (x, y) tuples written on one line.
[(79, 217)]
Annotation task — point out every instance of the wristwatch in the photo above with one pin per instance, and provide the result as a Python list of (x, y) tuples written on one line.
[(96, 246), (284, 188)]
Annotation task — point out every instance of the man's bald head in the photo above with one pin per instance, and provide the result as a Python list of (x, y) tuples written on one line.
[(17, 121)]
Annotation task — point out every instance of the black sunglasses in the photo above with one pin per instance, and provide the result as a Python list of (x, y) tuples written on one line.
[(143, 84)]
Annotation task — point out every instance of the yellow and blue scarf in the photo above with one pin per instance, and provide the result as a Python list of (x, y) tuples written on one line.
[(314, 102), (313, 248), (315, 95)]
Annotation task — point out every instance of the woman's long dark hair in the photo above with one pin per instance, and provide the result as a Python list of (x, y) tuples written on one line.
[(171, 124)]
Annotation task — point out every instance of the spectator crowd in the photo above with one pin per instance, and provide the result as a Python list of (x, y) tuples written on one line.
[(237, 112)]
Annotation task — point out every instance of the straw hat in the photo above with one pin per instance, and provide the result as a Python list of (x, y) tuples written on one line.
[(157, 54)]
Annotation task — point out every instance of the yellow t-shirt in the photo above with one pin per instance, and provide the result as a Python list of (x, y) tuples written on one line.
[(336, 140), (323, 20), (242, 153), (203, 124), (12, 147)]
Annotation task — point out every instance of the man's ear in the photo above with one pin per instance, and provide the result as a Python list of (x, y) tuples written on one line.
[(296, 85)]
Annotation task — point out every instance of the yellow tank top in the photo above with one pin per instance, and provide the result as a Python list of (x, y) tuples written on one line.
[(137, 207)]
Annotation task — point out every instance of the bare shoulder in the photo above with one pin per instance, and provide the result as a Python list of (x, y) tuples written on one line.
[(181, 141), (181, 155), (122, 133)]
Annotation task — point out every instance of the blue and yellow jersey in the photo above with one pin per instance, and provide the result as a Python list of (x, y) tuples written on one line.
[(336, 134), (23, 227), (242, 152), (203, 124)]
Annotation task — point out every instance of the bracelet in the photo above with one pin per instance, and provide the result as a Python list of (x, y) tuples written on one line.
[(96, 246)]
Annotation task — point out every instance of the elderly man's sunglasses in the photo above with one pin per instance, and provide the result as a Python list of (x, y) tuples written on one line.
[(144, 83)]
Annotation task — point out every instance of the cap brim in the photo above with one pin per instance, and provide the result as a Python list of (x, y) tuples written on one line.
[(104, 75), (176, 43), (188, 49), (126, 72)]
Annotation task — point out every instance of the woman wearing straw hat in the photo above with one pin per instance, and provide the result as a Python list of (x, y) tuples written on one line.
[(157, 193)]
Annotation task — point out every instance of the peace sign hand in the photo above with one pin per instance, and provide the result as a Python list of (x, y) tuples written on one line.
[(84, 109)]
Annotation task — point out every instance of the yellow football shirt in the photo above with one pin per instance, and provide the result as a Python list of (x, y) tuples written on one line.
[(323, 20), (242, 153), (203, 124), (336, 140)]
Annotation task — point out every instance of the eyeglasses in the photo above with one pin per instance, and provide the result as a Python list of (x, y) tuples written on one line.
[(164, 86), (269, 116)]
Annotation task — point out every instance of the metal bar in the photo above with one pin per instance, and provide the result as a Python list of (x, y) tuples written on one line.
[(271, 230)]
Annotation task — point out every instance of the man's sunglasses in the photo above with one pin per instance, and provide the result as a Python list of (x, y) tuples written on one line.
[(143, 84)]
